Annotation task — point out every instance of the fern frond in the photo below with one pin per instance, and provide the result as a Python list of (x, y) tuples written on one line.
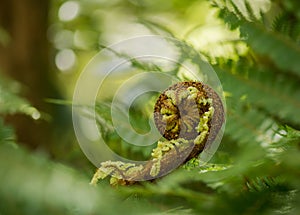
[(156, 28), (259, 184), (245, 124), (282, 23), (283, 51), (229, 18), (7, 134), (242, 9), (290, 137), (250, 11), (39, 186), (276, 93), (11, 102), (138, 64), (288, 25)]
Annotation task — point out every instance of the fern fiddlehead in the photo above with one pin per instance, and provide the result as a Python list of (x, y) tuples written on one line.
[(189, 115)]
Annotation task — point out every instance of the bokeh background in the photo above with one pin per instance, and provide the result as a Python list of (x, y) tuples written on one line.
[(252, 45)]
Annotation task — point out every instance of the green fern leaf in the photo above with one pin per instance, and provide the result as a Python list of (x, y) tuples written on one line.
[(11, 103), (278, 94), (39, 186), (7, 134), (283, 51)]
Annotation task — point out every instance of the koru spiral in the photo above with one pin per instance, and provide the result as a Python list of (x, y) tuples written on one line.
[(189, 116)]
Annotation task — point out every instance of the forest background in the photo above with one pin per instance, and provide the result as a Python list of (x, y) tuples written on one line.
[(254, 47)]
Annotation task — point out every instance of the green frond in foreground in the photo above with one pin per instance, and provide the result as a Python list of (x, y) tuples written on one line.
[(11, 103), (46, 187)]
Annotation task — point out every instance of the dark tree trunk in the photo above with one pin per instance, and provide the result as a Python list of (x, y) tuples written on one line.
[(26, 59)]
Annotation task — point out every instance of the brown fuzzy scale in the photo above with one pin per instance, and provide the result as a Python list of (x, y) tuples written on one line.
[(215, 124), (185, 114)]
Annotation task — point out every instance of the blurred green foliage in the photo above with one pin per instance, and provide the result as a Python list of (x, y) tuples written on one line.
[(257, 167)]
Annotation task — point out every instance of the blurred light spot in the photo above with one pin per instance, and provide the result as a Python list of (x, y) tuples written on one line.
[(35, 115), (31, 111), (63, 39), (65, 59), (68, 11)]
